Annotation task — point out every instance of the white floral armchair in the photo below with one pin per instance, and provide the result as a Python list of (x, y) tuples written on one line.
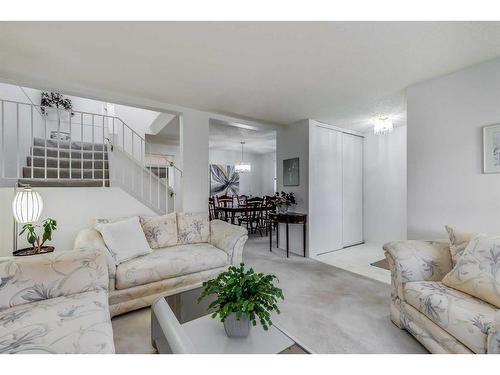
[(443, 319), (55, 303), (136, 283)]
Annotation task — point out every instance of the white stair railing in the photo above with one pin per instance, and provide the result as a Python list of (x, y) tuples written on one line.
[(55, 147)]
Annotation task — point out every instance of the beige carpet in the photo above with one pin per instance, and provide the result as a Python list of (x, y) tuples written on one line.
[(328, 309)]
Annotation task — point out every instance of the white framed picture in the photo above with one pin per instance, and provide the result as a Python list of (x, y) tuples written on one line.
[(491, 149)]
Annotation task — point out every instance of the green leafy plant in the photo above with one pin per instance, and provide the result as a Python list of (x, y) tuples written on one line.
[(243, 292), (55, 100), (48, 225)]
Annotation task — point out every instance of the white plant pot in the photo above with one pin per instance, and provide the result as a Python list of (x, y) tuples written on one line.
[(235, 327)]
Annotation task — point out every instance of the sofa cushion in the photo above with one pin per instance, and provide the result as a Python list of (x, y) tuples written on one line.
[(477, 271), (169, 262), (458, 242), (29, 279), (79, 323), (160, 231), (124, 239), (466, 318), (193, 228)]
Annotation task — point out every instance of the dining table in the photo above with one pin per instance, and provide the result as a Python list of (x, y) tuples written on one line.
[(231, 212)]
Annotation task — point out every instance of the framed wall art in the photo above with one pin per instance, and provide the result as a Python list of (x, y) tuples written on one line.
[(491, 149), (291, 172)]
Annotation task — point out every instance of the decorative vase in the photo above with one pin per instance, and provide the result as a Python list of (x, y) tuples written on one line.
[(235, 327), (282, 208)]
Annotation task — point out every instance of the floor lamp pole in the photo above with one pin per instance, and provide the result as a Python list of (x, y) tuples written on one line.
[(14, 226)]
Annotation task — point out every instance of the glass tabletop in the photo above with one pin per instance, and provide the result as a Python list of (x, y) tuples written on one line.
[(186, 308)]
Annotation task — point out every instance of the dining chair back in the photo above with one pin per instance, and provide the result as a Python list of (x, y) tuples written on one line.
[(242, 200), (212, 213), (224, 201), (251, 216)]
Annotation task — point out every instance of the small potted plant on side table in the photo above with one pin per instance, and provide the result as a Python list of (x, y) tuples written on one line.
[(49, 225), (284, 201), (243, 297)]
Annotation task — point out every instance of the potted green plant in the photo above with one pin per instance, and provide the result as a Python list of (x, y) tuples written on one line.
[(242, 297), (57, 101), (37, 242), (284, 201)]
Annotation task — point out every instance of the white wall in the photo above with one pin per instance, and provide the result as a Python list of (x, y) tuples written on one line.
[(137, 118), (268, 173), (445, 180), (384, 190), (293, 142), (194, 162), (73, 208), (260, 180)]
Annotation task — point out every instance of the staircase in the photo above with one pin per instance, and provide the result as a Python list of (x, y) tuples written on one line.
[(66, 164), (102, 151)]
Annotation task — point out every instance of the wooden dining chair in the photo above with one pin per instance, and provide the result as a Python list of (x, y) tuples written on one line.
[(251, 216), (225, 201), (269, 205), (242, 200), (212, 212)]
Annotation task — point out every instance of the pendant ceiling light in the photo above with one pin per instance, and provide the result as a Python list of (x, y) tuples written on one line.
[(382, 125), (242, 167)]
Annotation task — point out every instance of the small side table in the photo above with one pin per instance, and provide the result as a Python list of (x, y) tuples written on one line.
[(287, 218)]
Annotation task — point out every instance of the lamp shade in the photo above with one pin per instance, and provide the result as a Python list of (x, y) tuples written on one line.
[(27, 206), (242, 167)]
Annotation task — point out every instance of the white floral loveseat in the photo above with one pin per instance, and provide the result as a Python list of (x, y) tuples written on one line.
[(55, 303), (443, 319), (183, 265)]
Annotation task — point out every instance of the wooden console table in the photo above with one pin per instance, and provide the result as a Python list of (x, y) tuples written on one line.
[(287, 218)]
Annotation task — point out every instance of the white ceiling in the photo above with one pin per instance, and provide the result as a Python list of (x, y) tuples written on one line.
[(342, 73), (228, 138)]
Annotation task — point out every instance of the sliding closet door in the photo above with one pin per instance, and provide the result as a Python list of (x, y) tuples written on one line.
[(352, 189), (325, 195)]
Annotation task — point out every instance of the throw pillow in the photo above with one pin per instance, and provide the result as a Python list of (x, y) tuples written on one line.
[(458, 242), (193, 228), (124, 239), (477, 271), (160, 231)]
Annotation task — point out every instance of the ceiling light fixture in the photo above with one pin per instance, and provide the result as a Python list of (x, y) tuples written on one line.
[(382, 125), (242, 167)]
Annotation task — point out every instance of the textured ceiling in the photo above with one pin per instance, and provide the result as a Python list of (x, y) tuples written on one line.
[(342, 73), (228, 138)]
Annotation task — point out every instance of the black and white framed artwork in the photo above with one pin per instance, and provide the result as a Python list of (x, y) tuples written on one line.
[(291, 172), (491, 149), (224, 180)]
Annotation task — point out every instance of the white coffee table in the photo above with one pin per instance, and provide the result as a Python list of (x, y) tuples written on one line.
[(180, 325)]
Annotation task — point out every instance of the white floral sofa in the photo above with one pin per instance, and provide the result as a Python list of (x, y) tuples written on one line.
[(443, 319), (136, 283), (55, 303)]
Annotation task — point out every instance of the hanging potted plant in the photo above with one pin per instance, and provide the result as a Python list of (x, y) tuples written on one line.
[(62, 109), (242, 298)]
